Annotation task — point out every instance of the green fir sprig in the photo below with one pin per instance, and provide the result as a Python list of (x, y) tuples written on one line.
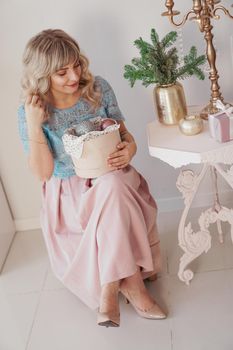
[(159, 62)]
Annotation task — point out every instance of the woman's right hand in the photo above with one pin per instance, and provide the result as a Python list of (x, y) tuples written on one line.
[(35, 111)]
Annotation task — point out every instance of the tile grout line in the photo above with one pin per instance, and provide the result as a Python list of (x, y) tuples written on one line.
[(167, 274), (22, 293), (8, 253), (33, 291), (171, 337), (169, 305), (201, 272), (216, 270), (167, 267), (36, 309)]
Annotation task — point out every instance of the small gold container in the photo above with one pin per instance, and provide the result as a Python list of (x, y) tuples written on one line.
[(191, 125)]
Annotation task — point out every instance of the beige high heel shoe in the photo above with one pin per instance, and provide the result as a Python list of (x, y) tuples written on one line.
[(153, 313), (152, 278), (108, 319)]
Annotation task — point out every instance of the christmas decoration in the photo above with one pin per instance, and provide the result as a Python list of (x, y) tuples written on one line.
[(204, 13), (107, 122), (84, 127), (89, 152), (159, 62)]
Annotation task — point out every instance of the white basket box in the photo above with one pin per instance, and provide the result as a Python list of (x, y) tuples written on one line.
[(89, 152)]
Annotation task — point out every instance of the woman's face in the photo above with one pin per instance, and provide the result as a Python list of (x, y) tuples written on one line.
[(66, 79)]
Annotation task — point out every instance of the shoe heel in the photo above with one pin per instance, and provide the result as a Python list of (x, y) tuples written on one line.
[(152, 278), (108, 320)]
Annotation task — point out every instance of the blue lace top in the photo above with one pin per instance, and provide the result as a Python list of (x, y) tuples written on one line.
[(61, 119)]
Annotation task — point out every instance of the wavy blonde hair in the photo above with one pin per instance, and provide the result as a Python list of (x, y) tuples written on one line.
[(46, 53)]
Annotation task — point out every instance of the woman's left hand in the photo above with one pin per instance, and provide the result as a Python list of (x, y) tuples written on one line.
[(122, 157)]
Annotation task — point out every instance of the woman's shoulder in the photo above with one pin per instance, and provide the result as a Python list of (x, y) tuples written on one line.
[(99, 79), (101, 83)]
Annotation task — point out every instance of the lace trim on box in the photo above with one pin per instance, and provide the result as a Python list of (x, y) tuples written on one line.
[(74, 144)]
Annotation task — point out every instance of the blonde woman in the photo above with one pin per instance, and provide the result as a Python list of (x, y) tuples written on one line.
[(100, 235)]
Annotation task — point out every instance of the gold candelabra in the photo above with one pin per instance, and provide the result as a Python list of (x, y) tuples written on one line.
[(203, 12)]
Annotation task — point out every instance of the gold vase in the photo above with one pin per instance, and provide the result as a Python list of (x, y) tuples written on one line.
[(170, 103)]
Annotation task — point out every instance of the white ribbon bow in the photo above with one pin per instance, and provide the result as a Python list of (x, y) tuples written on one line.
[(227, 109)]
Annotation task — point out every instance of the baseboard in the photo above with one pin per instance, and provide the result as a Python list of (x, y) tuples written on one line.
[(164, 205), (201, 200), (27, 224)]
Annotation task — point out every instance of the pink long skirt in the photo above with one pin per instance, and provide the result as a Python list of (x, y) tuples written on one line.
[(99, 231)]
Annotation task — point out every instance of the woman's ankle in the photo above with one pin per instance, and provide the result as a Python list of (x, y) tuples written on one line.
[(135, 288), (112, 287), (134, 282), (109, 297)]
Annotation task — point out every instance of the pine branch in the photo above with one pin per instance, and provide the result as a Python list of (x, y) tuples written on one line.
[(189, 69), (159, 65), (169, 39), (133, 74), (154, 37), (143, 46), (198, 73)]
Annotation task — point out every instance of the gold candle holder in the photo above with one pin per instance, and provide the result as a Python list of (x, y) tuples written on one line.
[(203, 12)]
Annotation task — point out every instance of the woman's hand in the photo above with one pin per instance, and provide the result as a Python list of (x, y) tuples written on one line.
[(35, 111), (122, 157)]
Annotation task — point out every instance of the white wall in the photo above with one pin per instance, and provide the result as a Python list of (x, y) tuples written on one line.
[(105, 30)]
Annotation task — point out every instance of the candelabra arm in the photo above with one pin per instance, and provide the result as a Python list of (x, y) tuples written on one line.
[(184, 20), (223, 9)]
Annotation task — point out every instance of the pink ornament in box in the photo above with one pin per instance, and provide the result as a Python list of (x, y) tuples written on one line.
[(221, 123)]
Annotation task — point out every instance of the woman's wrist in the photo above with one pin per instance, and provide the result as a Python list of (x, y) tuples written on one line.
[(36, 134), (34, 130), (133, 148)]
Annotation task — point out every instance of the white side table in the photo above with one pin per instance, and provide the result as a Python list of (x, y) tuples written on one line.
[(170, 145)]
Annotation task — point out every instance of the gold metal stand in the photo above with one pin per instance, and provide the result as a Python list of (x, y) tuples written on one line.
[(203, 12)]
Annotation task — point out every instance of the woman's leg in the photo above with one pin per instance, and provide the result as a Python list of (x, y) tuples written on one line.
[(109, 312), (135, 286), (109, 297)]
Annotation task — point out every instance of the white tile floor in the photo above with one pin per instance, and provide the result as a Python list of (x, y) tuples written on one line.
[(38, 313)]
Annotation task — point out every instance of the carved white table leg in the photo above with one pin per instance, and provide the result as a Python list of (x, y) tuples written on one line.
[(220, 233), (193, 244), (217, 206), (175, 149), (228, 176)]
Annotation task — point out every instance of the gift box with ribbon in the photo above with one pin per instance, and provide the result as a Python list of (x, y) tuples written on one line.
[(221, 123)]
